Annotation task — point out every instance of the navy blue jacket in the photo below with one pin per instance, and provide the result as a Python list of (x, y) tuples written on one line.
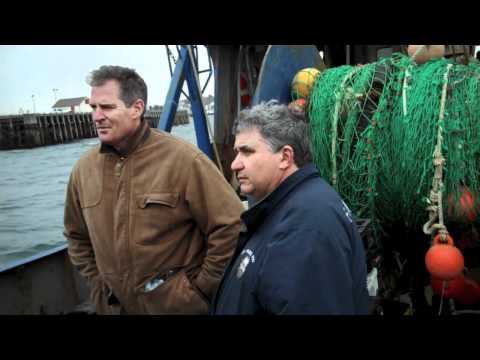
[(299, 254)]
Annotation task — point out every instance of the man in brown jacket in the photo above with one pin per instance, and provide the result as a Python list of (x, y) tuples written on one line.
[(150, 221)]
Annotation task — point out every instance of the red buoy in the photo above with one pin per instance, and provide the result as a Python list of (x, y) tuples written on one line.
[(453, 288), (444, 261), (470, 293), (464, 210)]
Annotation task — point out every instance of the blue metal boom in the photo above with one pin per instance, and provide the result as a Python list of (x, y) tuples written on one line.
[(185, 70)]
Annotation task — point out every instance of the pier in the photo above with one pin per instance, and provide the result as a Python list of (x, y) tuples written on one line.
[(33, 130)]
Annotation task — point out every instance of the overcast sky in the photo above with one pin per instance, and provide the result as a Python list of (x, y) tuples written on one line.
[(27, 70)]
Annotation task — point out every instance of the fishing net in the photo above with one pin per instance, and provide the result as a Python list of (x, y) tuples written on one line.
[(375, 128)]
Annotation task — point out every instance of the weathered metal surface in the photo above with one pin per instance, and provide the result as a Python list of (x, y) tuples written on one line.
[(280, 64), (225, 59), (44, 284)]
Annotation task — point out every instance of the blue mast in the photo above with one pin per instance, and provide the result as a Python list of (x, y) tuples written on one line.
[(185, 70)]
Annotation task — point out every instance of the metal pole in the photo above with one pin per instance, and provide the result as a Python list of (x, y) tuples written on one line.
[(33, 100)]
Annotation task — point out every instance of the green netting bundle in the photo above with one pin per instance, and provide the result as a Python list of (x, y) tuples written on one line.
[(374, 131)]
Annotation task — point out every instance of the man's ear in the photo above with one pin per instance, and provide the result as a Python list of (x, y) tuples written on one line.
[(138, 106), (288, 156)]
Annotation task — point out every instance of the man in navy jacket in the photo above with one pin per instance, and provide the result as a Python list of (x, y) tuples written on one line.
[(300, 251)]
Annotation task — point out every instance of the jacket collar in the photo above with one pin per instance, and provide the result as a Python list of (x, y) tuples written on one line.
[(140, 136), (255, 216)]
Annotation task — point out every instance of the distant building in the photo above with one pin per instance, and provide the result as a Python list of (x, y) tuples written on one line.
[(155, 108), (184, 104), (208, 100), (73, 105)]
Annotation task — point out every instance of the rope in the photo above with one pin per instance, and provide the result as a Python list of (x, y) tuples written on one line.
[(375, 145), (436, 209), (444, 285), (404, 91)]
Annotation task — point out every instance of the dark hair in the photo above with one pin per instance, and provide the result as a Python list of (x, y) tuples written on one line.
[(279, 127), (132, 86)]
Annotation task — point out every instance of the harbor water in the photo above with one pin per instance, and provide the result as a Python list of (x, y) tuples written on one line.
[(32, 194)]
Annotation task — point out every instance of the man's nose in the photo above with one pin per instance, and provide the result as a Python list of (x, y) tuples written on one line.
[(236, 163), (97, 115)]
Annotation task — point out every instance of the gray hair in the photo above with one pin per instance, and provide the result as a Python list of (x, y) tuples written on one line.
[(279, 127), (132, 86)]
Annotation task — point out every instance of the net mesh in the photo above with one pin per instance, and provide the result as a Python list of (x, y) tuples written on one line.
[(374, 129)]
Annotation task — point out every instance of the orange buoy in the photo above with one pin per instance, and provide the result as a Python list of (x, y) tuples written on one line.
[(427, 53), (453, 288), (470, 293), (463, 210), (444, 261), (303, 82), (298, 106), (300, 102)]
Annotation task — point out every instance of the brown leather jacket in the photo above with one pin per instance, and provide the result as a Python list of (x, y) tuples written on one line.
[(161, 213)]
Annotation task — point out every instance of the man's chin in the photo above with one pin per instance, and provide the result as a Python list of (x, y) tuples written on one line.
[(107, 140), (245, 190)]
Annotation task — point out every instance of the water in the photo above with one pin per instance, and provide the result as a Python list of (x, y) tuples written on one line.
[(32, 194)]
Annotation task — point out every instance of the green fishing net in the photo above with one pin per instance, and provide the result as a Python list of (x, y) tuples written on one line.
[(374, 129)]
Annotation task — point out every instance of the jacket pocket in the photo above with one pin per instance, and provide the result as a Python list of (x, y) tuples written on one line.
[(174, 296), (166, 199), (155, 217)]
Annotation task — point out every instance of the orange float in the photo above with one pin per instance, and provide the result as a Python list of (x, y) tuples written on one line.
[(298, 106), (443, 260), (453, 288), (464, 210), (428, 52), (470, 293)]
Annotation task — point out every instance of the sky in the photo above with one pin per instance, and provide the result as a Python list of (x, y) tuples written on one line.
[(27, 70)]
